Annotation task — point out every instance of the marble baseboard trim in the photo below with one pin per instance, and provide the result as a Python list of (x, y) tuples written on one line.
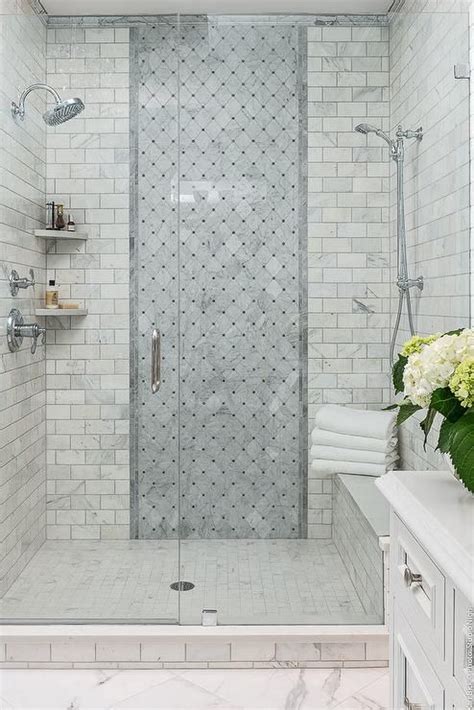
[(328, 633), (155, 653)]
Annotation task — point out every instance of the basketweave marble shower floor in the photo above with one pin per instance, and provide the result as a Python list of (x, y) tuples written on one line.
[(247, 581)]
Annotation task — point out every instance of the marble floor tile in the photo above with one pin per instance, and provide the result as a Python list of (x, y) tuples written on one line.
[(247, 581), (318, 689)]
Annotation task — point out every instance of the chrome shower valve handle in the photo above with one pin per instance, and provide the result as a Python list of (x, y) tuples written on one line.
[(404, 284), (17, 329), (16, 282), (34, 331)]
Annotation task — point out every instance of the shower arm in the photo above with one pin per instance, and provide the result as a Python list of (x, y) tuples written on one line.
[(19, 109)]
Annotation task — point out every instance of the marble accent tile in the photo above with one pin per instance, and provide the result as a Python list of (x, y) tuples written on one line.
[(253, 650), (342, 651), (24, 651), (73, 650), (298, 651), (207, 651), (162, 651), (237, 292), (377, 650), (125, 651)]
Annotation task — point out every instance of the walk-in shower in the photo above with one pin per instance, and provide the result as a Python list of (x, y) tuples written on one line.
[(403, 281), (221, 197)]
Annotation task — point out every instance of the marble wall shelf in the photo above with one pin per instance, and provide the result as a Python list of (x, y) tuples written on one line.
[(58, 234), (61, 312)]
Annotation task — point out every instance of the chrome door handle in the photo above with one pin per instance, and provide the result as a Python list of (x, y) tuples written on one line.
[(155, 360), (411, 578)]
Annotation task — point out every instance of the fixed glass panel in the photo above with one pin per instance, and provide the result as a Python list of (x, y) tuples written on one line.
[(243, 285)]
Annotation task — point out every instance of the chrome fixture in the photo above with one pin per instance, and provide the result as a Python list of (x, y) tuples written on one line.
[(404, 283), (16, 283), (209, 617), (155, 360), (462, 71), (60, 113), (410, 578), (17, 329)]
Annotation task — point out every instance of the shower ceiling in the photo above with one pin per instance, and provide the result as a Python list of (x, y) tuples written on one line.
[(215, 7)]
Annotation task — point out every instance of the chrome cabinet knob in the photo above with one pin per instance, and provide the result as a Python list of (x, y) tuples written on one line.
[(411, 578)]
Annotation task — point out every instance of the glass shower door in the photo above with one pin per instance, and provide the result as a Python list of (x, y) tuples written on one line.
[(154, 313)]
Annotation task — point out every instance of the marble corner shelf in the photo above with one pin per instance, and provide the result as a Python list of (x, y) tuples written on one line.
[(59, 234), (61, 312)]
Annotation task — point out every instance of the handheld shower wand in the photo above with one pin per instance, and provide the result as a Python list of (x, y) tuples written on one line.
[(404, 283)]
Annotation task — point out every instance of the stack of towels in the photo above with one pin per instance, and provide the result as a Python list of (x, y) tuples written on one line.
[(357, 441)]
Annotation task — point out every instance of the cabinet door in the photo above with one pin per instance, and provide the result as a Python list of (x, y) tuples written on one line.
[(422, 601), (415, 685)]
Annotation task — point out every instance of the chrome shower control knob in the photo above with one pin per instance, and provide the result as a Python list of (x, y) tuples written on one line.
[(16, 282), (14, 337), (17, 329), (410, 578)]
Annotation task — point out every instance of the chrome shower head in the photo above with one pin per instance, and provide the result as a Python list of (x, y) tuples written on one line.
[(60, 113), (63, 111), (366, 128)]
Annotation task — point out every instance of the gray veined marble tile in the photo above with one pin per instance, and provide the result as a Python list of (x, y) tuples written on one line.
[(223, 284)]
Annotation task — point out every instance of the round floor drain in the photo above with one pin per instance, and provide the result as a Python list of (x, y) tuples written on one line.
[(182, 586)]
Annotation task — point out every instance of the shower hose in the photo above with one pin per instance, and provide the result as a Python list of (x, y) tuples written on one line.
[(403, 283)]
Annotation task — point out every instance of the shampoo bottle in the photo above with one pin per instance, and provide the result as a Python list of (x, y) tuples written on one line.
[(52, 295)]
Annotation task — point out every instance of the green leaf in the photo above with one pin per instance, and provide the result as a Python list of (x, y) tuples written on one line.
[(427, 423), (461, 448), (454, 332), (445, 434), (444, 401), (397, 373), (406, 411), (390, 407)]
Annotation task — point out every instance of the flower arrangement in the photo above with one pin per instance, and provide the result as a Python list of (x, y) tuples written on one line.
[(436, 373)]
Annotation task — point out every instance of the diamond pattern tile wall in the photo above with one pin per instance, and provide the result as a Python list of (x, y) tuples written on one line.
[(217, 246)]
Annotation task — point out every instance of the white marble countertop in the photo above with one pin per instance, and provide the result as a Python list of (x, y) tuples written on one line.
[(440, 513)]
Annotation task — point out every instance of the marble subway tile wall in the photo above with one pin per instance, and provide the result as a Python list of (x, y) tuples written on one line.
[(348, 231), (88, 359), (427, 40), (22, 375)]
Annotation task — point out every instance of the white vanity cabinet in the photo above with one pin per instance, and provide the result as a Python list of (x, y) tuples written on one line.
[(431, 590)]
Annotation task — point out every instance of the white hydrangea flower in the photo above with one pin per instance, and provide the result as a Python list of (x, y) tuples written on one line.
[(434, 365)]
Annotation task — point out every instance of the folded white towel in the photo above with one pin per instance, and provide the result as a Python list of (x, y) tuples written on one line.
[(356, 422), (322, 437), (361, 469), (330, 453)]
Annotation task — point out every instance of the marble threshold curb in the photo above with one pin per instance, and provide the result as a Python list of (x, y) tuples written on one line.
[(150, 647)]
